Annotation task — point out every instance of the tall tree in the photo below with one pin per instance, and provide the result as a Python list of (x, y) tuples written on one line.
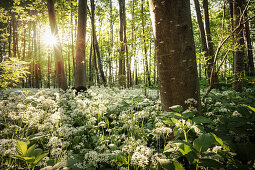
[(80, 61), (175, 51), (238, 51), (95, 43), (122, 46), (212, 76), (59, 64), (146, 73), (248, 45)]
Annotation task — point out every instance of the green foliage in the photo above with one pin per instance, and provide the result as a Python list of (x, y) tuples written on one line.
[(12, 72), (30, 156)]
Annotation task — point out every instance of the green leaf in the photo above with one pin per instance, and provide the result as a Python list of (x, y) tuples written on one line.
[(40, 157), (201, 119), (209, 163), (219, 140), (174, 120), (177, 108), (188, 152), (168, 122), (203, 142), (37, 152), (252, 108), (170, 165), (21, 148), (30, 150), (188, 114)]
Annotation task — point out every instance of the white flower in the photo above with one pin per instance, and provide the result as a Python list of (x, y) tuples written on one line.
[(102, 124), (236, 114)]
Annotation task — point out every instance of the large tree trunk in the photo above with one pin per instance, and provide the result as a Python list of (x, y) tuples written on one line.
[(239, 52), (175, 50), (59, 64), (213, 82), (80, 60)]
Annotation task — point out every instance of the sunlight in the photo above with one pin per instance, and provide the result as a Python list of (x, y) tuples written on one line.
[(48, 39)]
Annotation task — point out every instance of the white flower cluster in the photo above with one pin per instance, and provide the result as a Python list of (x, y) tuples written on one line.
[(141, 156)]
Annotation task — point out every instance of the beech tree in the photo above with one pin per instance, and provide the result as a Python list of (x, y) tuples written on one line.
[(59, 63), (80, 62), (239, 41), (175, 52)]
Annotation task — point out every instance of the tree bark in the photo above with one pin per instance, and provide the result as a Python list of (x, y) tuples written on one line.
[(122, 47), (214, 82), (147, 73), (59, 64), (175, 50), (80, 60), (35, 57), (95, 44), (238, 51), (248, 45)]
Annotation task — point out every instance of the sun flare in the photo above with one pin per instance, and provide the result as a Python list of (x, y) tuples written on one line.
[(48, 39)]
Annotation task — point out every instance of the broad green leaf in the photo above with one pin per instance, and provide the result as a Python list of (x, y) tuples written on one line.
[(188, 114), (188, 152), (203, 142), (40, 157), (177, 108), (219, 140), (21, 148), (174, 120), (30, 150), (209, 163), (176, 115), (37, 152), (168, 122), (170, 165), (201, 119)]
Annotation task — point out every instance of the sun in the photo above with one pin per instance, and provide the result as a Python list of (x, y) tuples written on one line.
[(48, 39)]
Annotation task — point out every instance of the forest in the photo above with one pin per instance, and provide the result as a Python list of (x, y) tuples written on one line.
[(127, 84)]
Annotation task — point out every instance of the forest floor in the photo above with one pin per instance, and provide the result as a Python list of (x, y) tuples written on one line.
[(109, 128)]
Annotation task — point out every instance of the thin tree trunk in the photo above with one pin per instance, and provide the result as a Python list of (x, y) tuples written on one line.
[(248, 45), (72, 41), (214, 82), (14, 26), (122, 46)]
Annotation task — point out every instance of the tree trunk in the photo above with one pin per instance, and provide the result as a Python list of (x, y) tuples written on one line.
[(214, 82), (175, 50), (111, 42), (239, 52), (59, 64), (146, 72), (73, 58), (15, 34), (95, 45), (122, 46), (80, 60), (35, 56), (248, 45)]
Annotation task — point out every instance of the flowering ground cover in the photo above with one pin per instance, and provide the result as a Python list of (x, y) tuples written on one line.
[(109, 128)]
